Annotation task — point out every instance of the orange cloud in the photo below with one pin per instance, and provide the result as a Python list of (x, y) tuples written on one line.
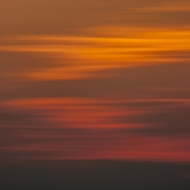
[(84, 57), (167, 7)]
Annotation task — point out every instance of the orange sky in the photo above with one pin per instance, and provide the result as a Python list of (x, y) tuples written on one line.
[(95, 79), (85, 56)]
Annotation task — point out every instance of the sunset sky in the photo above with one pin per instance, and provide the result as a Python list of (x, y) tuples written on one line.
[(95, 80)]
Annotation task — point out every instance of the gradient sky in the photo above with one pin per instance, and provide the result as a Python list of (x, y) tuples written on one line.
[(100, 79)]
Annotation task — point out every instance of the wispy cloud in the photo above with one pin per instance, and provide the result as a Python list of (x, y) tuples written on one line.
[(95, 79), (166, 7), (84, 57), (87, 128)]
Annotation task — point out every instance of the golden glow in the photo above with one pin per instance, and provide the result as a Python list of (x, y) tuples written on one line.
[(83, 57)]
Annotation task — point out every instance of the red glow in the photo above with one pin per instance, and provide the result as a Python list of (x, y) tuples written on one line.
[(90, 129)]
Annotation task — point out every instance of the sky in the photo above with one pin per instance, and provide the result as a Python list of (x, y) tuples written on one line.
[(95, 80)]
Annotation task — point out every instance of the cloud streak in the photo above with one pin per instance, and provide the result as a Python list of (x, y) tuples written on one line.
[(89, 129), (88, 79), (84, 57)]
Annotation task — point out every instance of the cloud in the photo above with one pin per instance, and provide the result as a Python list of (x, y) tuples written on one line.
[(95, 128), (162, 118), (137, 82), (14, 64), (94, 79), (71, 57), (66, 17)]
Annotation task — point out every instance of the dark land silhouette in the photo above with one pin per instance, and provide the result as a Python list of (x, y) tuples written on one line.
[(95, 175)]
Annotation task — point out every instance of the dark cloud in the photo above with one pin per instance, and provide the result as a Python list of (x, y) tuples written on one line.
[(160, 118)]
